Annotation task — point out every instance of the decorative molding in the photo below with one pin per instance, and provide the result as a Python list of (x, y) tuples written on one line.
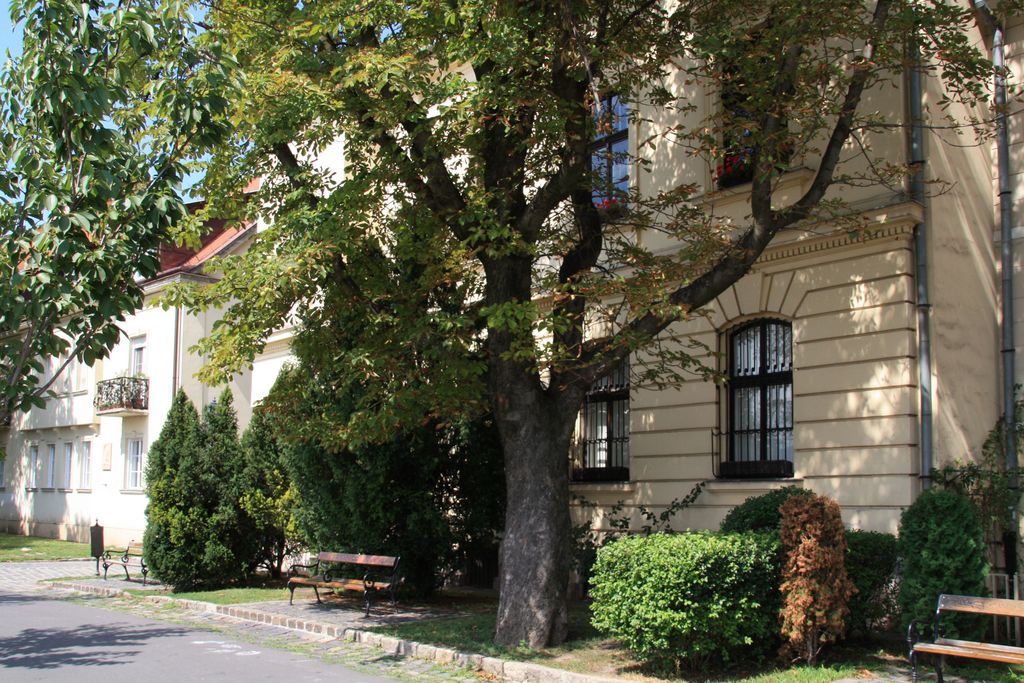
[(276, 348), (892, 222)]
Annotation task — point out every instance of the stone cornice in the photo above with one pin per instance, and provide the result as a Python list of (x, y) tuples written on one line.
[(888, 222)]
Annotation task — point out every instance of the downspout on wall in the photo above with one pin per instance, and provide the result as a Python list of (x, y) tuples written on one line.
[(995, 28), (915, 96), (177, 353)]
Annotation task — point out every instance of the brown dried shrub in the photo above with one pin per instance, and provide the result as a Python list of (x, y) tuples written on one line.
[(815, 585)]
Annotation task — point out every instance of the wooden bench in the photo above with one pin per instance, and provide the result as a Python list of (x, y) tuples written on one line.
[(380, 574), (941, 647), (130, 557)]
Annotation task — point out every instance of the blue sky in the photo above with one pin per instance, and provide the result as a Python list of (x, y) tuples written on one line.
[(9, 40)]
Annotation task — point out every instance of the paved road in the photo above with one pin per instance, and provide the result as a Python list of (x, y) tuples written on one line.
[(54, 640), (52, 635)]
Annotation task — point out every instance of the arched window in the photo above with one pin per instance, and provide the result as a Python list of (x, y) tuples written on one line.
[(760, 410)]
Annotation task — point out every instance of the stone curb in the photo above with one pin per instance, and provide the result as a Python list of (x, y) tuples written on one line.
[(509, 671)]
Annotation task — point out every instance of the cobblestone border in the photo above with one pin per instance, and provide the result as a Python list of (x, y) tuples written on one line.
[(509, 671)]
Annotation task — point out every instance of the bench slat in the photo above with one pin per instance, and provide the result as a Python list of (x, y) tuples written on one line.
[(369, 560), (350, 584), (972, 652), (975, 605), (1008, 649)]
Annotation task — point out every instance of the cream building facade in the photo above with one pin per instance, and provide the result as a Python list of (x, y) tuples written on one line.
[(82, 458), (819, 348)]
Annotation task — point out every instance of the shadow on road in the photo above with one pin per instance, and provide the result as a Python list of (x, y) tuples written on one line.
[(14, 598), (84, 645)]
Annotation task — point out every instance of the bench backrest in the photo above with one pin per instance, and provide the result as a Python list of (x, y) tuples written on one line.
[(366, 560), (975, 605)]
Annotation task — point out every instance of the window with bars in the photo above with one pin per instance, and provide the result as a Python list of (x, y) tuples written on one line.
[(760, 401), (609, 154), (602, 439)]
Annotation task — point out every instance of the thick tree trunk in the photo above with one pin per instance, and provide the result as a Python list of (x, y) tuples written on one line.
[(535, 426), (535, 551), (536, 548)]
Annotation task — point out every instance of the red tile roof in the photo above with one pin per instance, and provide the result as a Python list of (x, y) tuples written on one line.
[(219, 236)]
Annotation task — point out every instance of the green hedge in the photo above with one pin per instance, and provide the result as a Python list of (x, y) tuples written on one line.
[(687, 600), (943, 551), (872, 561), (760, 513)]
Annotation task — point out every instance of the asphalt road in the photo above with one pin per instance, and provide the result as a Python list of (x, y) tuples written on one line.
[(42, 639)]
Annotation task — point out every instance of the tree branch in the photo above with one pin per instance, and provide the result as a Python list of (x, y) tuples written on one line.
[(840, 133), (601, 354)]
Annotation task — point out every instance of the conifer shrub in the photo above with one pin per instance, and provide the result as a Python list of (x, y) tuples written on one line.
[(685, 601), (195, 536), (815, 586), (433, 494), (942, 548), (267, 496), (170, 541), (231, 539), (760, 513), (872, 562)]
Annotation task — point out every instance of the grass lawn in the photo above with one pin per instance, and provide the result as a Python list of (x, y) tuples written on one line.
[(264, 592), (15, 548), (587, 651)]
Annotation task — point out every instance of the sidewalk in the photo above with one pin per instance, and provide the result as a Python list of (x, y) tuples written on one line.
[(344, 620)]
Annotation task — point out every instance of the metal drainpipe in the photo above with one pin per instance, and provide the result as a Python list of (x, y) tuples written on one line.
[(924, 342), (1006, 240), (177, 352), (1006, 249)]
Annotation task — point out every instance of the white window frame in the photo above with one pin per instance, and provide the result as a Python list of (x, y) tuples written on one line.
[(51, 462), (33, 465), (137, 350), (69, 461), (85, 464), (134, 476)]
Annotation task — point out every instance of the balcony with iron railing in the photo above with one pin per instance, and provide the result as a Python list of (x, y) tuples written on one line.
[(122, 396)]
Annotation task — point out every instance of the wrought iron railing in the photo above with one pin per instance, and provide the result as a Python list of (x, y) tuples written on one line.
[(1006, 629), (125, 393)]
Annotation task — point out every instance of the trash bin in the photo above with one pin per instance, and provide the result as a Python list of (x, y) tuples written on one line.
[(96, 543)]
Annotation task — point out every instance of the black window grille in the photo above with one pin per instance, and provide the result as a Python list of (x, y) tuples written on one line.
[(609, 154), (602, 444), (760, 401)]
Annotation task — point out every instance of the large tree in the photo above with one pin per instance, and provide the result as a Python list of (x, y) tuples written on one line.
[(464, 231), (99, 118)]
